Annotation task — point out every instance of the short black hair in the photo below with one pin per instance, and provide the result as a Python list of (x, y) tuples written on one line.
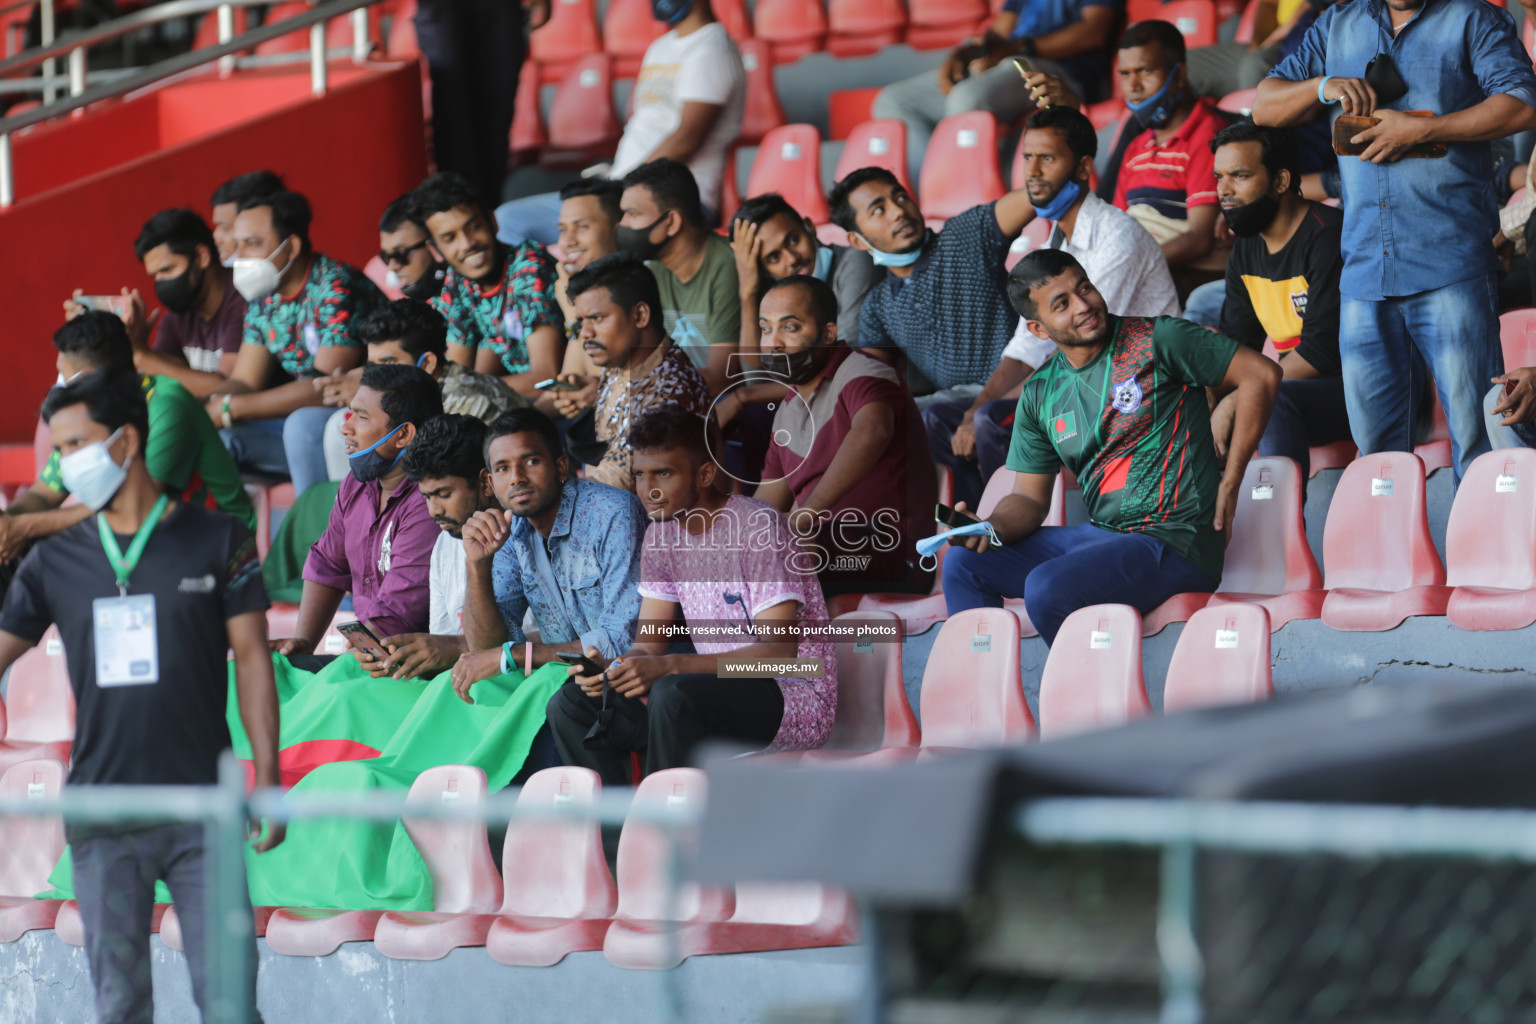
[(246, 186), (1032, 271), (291, 214), (526, 420), (112, 397), (1165, 34), (672, 185), (629, 283), (447, 446), (415, 325), (759, 210), (842, 209), (668, 427), (407, 394), (1277, 147), (182, 231), (439, 194), (605, 190), (1075, 128), (397, 213), (96, 338), (823, 299)]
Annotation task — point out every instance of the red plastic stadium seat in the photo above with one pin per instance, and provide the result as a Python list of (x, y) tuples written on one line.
[(1177, 608), (794, 27), (1331, 456), (39, 711), (308, 931), (1382, 565), (1268, 560), (1490, 543), (1239, 103), (849, 108), (569, 35), (170, 926), (32, 845), (560, 894), (582, 124), (939, 24), (1517, 335), (338, 31), (628, 28), (208, 28), (785, 915), (878, 143), (1143, 10), (1092, 677), (734, 16), (378, 273), (1106, 113), (916, 613), (789, 163), (960, 166), (400, 41), (1034, 236), (858, 28), (69, 926), (1245, 24), (973, 694), (1195, 19), (872, 708), (998, 488), (1222, 657), (762, 113), (528, 135)]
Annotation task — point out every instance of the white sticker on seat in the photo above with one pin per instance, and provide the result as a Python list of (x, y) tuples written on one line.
[(1505, 484), (675, 801), (1263, 492), (790, 151), (863, 647), (981, 643), (967, 138), (879, 145), (334, 644), (1226, 639), (748, 60), (1100, 640), (450, 796), (564, 800), (1381, 487), (54, 647), (588, 78), (35, 791)]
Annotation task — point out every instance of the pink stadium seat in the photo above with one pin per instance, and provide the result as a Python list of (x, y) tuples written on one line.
[(998, 488), (528, 135), (762, 113), (1106, 113), (1222, 657), (560, 894), (939, 24), (1177, 608), (916, 613), (69, 926), (170, 926), (1143, 10), (789, 163), (1268, 560), (583, 126), (1034, 236), (786, 915), (973, 694), (338, 31), (1195, 19), (32, 846), (1239, 103), (569, 35), (1381, 564), (858, 28), (1092, 677), (208, 28), (1331, 456), (39, 711), (1245, 24), (960, 166), (1490, 543), (872, 708), (734, 16), (400, 41), (650, 930), (793, 27), (849, 108), (878, 143), (628, 28), (1517, 335), (378, 273)]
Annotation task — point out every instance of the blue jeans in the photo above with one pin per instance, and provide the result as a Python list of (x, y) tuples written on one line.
[(536, 217), (1521, 435), (1205, 302), (303, 442), (257, 446), (992, 439), (1456, 329), (1059, 569), (1307, 412)]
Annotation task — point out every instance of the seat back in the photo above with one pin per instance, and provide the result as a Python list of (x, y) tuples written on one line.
[(457, 852), (944, 13), (528, 135), (646, 855), (582, 115), (1092, 677), (1239, 103), (789, 163), (762, 112), (1517, 336), (207, 33), (30, 845), (1222, 657), (628, 28), (737, 20), (377, 272), (872, 707), (1377, 533), (878, 143), (973, 694), (1001, 485), (569, 34), (400, 42), (866, 17), (1268, 553), (960, 166), (1490, 540), (1195, 19), (554, 866), (792, 904), (39, 702), (794, 27), (1245, 24)]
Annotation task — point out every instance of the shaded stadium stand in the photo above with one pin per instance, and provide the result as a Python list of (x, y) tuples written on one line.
[(762, 112), (1222, 657), (789, 163), (960, 167), (628, 29), (1092, 677), (794, 28), (1268, 559), (38, 715), (1490, 543), (881, 142), (1381, 563), (857, 28), (569, 35), (583, 126), (939, 24), (31, 847), (972, 693)]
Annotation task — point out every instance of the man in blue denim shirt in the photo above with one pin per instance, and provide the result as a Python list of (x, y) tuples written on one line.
[(567, 548), (1419, 271)]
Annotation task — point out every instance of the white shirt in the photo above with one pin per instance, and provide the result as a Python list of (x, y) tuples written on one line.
[(1124, 263), (701, 67), (447, 579)]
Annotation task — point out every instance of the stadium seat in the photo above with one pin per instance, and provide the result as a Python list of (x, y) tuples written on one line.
[(872, 708), (466, 889), (1195, 19), (1222, 657), (960, 167), (789, 163), (1092, 677), (208, 28), (1490, 543), (858, 28), (1239, 103), (1517, 335), (998, 488), (1381, 563), (1331, 456), (400, 41), (1143, 10), (973, 694), (658, 925), (628, 28), (378, 273), (583, 126), (916, 613), (793, 28), (785, 915), (569, 35), (734, 16), (528, 135), (338, 31), (762, 112), (1106, 113), (560, 895), (1245, 24), (170, 926), (940, 24), (1268, 560), (878, 143), (39, 711), (13, 30), (31, 847), (849, 108), (1177, 608), (1034, 236), (69, 926)]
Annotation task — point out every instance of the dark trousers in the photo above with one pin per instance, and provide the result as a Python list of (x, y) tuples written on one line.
[(682, 712), (1307, 413), (474, 51), (115, 876), (994, 432)]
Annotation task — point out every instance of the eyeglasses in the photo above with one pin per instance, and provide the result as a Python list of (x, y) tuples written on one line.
[(400, 256)]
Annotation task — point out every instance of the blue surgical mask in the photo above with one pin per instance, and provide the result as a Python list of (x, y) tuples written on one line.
[(91, 475), (928, 547), (823, 263), (896, 259), (1057, 208), (368, 464), (1156, 110)]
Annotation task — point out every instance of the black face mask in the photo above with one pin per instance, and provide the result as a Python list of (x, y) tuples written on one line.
[(637, 241), (427, 286), (178, 294), (1247, 221), (807, 363)]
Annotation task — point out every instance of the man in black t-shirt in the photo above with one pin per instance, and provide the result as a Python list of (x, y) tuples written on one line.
[(1282, 283), (148, 595)]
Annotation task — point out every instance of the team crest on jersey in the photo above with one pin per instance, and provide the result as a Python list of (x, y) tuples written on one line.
[(1127, 397), (1299, 303)]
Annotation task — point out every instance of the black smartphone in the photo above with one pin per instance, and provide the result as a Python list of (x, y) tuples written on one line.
[(588, 666), (952, 519), (363, 639)]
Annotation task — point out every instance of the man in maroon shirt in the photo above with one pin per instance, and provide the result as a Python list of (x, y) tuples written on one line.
[(849, 459)]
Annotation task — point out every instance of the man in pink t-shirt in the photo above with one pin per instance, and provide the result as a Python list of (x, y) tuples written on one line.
[(730, 567)]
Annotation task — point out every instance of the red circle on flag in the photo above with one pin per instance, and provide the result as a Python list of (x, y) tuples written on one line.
[(1061, 425)]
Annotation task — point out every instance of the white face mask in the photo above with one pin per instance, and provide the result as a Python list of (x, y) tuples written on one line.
[(256, 277), (90, 474)]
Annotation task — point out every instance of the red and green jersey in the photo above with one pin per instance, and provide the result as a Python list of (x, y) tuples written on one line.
[(322, 314), (1134, 427), (501, 318)]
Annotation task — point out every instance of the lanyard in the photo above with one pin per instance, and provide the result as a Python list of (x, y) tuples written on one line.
[(123, 565)]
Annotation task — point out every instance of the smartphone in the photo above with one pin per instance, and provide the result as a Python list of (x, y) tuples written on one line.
[(949, 517), (363, 639), (105, 303), (1024, 67), (555, 384), (588, 666)]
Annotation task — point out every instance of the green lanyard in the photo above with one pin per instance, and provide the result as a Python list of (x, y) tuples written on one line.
[(123, 565)]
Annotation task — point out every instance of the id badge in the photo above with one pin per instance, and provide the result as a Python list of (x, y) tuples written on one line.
[(512, 325), (311, 338), (127, 650)]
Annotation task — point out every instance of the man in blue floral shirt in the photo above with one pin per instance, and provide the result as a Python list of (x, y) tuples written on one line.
[(499, 301)]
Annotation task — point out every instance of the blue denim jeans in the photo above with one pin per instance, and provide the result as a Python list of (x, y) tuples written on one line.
[(257, 446), (1456, 329), (1307, 412), (303, 444), (536, 217), (1520, 435), (1205, 302)]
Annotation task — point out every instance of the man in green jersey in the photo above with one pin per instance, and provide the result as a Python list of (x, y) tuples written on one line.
[(1123, 405)]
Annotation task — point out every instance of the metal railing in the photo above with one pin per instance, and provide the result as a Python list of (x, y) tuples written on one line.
[(74, 48)]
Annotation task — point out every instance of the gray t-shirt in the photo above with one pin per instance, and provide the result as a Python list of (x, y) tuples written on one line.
[(853, 274)]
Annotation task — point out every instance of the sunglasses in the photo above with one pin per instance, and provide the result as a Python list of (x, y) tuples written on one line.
[(400, 256)]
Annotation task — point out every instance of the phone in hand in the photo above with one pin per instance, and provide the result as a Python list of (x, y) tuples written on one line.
[(1025, 68), (947, 516), (363, 639), (117, 304), (556, 384), (587, 665)]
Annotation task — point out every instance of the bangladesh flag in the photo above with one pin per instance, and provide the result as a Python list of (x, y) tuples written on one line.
[(345, 731), (1064, 426)]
